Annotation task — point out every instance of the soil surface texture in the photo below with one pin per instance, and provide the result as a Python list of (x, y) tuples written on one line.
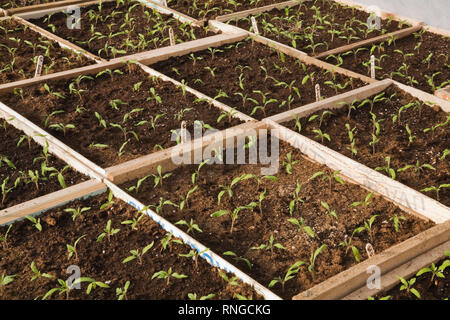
[(255, 79), (20, 47), (251, 235), (116, 116), (103, 260), (112, 30), (17, 161), (426, 155)]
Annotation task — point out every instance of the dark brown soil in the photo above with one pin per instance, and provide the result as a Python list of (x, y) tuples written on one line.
[(143, 23), (23, 158), (253, 228), (247, 59), (210, 9), (438, 289), (58, 59), (427, 148), (102, 261), (418, 70), (37, 104), (290, 26)]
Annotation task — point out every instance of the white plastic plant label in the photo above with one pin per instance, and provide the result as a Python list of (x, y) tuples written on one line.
[(39, 64), (183, 132), (318, 97), (172, 37), (372, 66), (370, 250), (255, 25)]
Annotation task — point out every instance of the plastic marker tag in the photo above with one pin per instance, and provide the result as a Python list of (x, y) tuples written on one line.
[(318, 92), (172, 37), (183, 132), (255, 25), (40, 63), (372, 67), (370, 250)]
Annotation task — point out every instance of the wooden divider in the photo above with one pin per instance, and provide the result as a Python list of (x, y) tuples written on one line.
[(246, 13), (62, 42), (393, 35), (43, 6), (294, 53), (378, 182), (333, 102), (178, 15), (148, 164), (346, 282), (406, 270), (51, 200)]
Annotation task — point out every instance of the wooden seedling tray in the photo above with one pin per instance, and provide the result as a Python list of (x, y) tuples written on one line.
[(246, 13), (352, 279), (416, 25), (42, 6), (60, 149), (407, 270), (51, 200), (394, 190), (292, 52), (94, 187), (389, 261), (41, 13)]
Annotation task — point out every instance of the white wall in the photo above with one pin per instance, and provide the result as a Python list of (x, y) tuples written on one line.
[(432, 12)]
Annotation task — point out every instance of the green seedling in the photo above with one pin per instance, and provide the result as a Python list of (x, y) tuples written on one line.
[(321, 117), (364, 203), (368, 226), (329, 212), (389, 171), (328, 176), (185, 200), (193, 296), (133, 223), (408, 286), (167, 275), (38, 274), (232, 281), (290, 274), (93, 284), (72, 249), (4, 238), (36, 222), (302, 226), (138, 254), (396, 219), (138, 184), (288, 163), (191, 225), (321, 135), (296, 198), (62, 288), (121, 293), (77, 212), (314, 255), (418, 168), (437, 189), (269, 245), (159, 177), (194, 255), (234, 215), (108, 232), (238, 258), (167, 241), (436, 272), (229, 189)]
